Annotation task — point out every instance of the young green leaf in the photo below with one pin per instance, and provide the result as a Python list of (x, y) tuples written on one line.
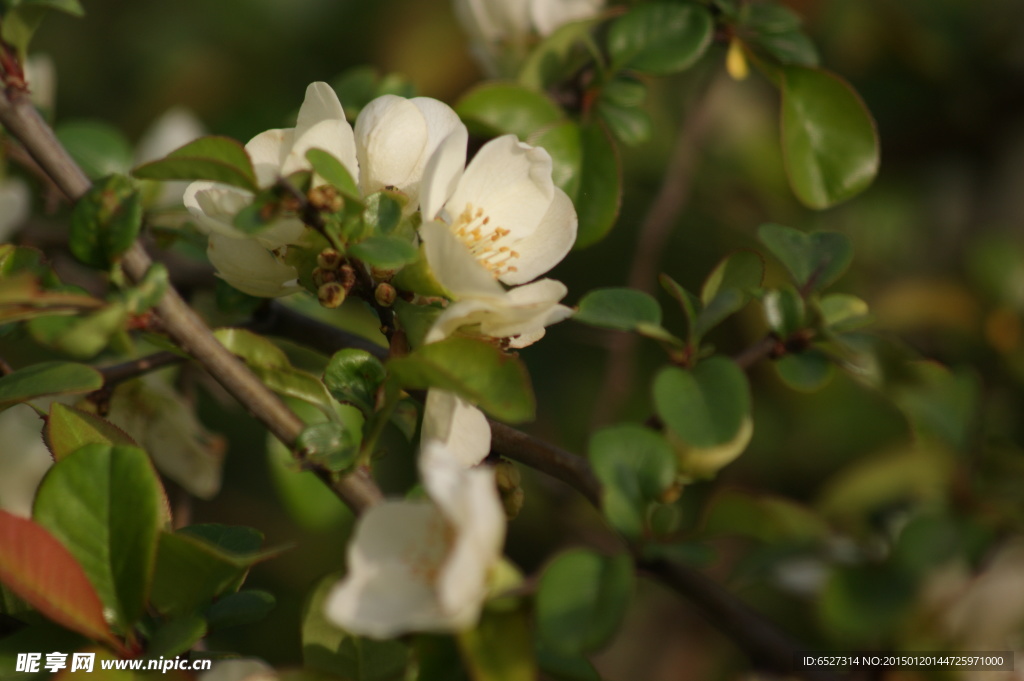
[(784, 310), (83, 336), (105, 504), (106, 221), (742, 270), (330, 445), (618, 308), (47, 378), (660, 37), (829, 139), (353, 376), (815, 260), (333, 172), (706, 406), (563, 141), (37, 567), (69, 429), (635, 465), (383, 212), (214, 158), (808, 371), (475, 370), (629, 125), (176, 636), (256, 350), (385, 252), (494, 109), (243, 607), (559, 55), (581, 600)]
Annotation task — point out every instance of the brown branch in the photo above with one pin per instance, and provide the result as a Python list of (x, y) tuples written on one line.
[(650, 249), (182, 324)]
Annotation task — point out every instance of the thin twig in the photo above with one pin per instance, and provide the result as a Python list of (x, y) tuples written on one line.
[(182, 324), (650, 249)]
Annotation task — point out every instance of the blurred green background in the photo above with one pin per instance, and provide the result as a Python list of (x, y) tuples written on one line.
[(939, 256)]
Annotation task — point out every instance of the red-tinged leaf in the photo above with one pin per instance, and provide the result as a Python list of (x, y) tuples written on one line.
[(45, 574)]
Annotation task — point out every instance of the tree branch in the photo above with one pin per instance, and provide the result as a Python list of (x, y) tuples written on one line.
[(182, 324)]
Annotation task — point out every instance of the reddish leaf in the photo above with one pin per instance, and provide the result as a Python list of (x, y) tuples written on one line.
[(42, 572)]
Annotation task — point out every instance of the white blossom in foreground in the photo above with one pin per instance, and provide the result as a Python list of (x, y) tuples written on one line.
[(423, 565), (457, 424), (275, 153)]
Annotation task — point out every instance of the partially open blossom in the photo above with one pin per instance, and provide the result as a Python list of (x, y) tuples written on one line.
[(423, 565)]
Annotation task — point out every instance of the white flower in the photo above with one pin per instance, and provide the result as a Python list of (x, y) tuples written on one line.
[(24, 459), (504, 207), (393, 141), (457, 424), (423, 565), (15, 206), (275, 153)]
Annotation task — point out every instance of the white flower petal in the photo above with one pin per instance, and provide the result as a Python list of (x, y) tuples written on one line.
[(453, 265), (175, 128), (24, 459), (394, 556), (267, 152), (251, 268), (15, 202), (549, 242), (320, 104), (391, 140), (332, 136), (459, 425), (442, 172)]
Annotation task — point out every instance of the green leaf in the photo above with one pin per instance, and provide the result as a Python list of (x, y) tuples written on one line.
[(724, 304), (193, 568), (105, 504), (47, 378), (415, 319), (581, 600), (558, 667), (176, 636), (829, 139), (687, 301), (774, 30), (494, 109), (618, 308), (500, 647), (630, 125), (660, 37), (563, 141), (37, 567), (705, 406), (105, 221), (475, 370), (80, 337), (784, 310), (330, 445), (742, 270), (244, 607), (600, 190), (214, 158), (635, 465), (333, 172), (148, 292), (842, 312), (815, 260), (242, 542), (385, 252), (19, 25), (383, 212), (260, 213), (253, 348), (808, 371), (299, 384), (328, 648), (98, 148), (68, 429), (353, 376)]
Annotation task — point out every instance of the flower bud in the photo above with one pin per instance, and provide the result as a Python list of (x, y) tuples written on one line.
[(506, 475), (347, 277), (329, 259), (512, 501), (322, 276), (325, 198), (385, 294), (331, 295)]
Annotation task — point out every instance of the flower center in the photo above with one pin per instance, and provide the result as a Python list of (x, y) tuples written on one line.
[(488, 243)]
